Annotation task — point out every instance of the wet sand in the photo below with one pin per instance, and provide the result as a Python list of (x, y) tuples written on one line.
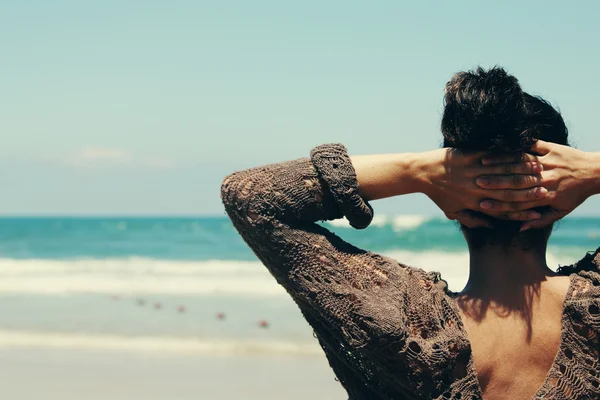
[(68, 374)]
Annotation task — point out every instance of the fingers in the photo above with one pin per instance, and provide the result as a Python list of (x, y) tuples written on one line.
[(547, 218), (527, 215), (493, 206), (513, 196), (539, 148), (542, 148), (512, 168), (508, 158), (508, 181)]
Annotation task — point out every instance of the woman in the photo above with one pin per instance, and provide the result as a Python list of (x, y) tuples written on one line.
[(517, 330)]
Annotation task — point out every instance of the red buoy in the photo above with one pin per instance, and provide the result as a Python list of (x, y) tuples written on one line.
[(181, 309), (158, 306), (263, 324), (221, 315)]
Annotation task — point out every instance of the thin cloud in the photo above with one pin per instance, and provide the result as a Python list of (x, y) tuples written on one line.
[(99, 156)]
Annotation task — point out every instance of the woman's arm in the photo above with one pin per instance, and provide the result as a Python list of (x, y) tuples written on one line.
[(336, 285), (448, 177), (275, 207), (348, 295)]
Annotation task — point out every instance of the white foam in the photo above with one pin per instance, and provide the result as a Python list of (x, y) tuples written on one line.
[(340, 223), (140, 285), (408, 222), (137, 276), (452, 266), (207, 278), (398, 222), (132, 265), (379, 221), (188, 346)]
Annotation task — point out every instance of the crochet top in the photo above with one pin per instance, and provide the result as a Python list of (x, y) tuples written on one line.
[(389, 331)]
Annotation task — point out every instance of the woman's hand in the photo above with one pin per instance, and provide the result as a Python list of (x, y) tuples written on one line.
[(448, 177), (569, 175)]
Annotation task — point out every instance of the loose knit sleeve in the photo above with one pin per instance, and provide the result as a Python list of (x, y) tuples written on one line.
[(589, 263), (368, 312)]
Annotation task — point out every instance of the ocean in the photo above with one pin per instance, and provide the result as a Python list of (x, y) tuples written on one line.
[(191, 285)]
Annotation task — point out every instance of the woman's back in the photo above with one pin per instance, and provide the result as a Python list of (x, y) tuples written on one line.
[(514, 347)]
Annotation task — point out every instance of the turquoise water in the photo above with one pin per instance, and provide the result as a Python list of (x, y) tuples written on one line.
[(213, 238), (101, 282)]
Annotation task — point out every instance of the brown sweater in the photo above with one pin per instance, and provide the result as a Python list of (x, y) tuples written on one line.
[(389, 331)]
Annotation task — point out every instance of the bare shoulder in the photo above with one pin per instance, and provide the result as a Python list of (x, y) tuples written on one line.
[(557, 287)]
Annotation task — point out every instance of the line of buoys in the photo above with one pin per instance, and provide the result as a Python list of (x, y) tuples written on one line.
[(141, 302)]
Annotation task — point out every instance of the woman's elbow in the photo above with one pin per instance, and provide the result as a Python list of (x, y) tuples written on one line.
[(233, 189), (239, 191), (229, 188)]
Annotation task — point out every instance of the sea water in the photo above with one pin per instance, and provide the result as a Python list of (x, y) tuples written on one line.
[(191, 285)]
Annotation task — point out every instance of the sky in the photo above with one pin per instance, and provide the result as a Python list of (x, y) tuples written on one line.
[(142, 107)]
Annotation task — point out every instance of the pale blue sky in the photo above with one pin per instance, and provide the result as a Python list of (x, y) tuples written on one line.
[(141, 107)]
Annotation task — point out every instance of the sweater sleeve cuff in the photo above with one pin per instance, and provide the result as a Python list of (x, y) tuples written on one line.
[(334, 167)]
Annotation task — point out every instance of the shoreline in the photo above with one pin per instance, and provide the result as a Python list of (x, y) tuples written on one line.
[(157, 345)]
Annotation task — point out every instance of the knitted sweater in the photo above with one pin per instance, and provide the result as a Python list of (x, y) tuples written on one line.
[(389, 331)]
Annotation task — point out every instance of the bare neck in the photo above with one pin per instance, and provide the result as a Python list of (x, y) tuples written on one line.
[(499, 270), (504, 281)]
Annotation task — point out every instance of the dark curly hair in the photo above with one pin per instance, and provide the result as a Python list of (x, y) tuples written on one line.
[(486, 110)]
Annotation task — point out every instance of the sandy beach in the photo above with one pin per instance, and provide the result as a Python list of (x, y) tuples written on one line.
[(67, 374)]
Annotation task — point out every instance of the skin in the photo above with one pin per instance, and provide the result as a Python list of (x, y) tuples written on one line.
[(512, 304), (448, 177), (570, 175)]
